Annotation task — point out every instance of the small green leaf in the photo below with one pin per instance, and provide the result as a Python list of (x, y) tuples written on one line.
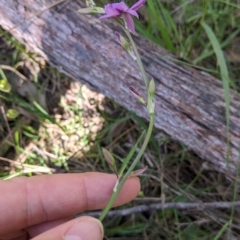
[(12, 113), (5, 86)]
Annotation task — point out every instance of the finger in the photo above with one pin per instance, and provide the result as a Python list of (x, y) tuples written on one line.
[(35, 230), (17, 235), (84, 228), (44, 198), (43, 227)]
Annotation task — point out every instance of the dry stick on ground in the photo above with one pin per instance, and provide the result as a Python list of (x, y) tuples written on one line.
[(189, 103), (159, 206), (4, 67)]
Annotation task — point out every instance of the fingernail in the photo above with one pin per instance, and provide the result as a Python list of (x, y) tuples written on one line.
[(71, 237), (87, 228)]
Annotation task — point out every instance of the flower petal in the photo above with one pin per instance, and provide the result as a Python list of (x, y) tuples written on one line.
[(137, 5), (130, 23), (132, 12), (122, 7), (110, 12)]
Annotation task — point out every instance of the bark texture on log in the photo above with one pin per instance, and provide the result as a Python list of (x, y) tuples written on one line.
[(189, 103)]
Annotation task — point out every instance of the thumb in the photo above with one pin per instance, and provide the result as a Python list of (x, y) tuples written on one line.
[(83, 228)]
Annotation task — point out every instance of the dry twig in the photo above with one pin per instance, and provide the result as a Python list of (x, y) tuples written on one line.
[(159, 206)]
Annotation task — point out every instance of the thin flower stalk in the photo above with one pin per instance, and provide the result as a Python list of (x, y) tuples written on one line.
[(120, 182), (123, 15), (130, 169)]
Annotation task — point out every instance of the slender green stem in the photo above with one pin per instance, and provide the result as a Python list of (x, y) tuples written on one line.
[(126, 175), (129, 156), (121, 180), (139, 61)]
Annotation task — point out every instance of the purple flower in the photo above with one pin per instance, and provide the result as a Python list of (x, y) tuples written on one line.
[(118, 9)]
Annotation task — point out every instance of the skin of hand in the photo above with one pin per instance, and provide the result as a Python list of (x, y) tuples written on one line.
[(42, 207)]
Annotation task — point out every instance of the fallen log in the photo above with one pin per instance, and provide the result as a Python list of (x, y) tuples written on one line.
[(189, 103)]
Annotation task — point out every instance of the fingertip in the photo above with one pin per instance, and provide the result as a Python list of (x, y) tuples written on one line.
[(87, 228), (136, 184), (83, 228), (129, 191)]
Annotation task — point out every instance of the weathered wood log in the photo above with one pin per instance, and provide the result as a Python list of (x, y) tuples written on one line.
[(189, 103)]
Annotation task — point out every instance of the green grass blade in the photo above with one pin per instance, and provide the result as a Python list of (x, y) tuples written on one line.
[(207, 53), (2, 74), (223, 71), (157, 16), (230, 4), (222, 230), (147, 34)]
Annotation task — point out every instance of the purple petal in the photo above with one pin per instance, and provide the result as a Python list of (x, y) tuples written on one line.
[(130, 23), (110, 12), (137, 5), (122, 7), (132, 12)]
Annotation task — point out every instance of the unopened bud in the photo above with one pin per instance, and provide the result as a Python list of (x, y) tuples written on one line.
[(138, 172), (12, 113), (5, 86), (152, 87), (122, 40), (135, 94), (125, 44), (109, 159)]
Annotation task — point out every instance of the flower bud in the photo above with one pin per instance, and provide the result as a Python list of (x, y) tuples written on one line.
[(109, 159), (151, 87), (12, 113), (135, 94), (138, 172), (125, 44), (5, 86)]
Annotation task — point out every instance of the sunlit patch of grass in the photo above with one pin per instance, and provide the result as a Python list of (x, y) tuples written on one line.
[(78, 124), (48, 130)]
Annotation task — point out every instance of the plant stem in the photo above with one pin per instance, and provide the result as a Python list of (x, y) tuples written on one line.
[(129, 156), (126, 175), (121, 180), (139, 61)]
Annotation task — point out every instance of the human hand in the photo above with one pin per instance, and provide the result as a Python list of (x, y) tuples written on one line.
[(42, 207)]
